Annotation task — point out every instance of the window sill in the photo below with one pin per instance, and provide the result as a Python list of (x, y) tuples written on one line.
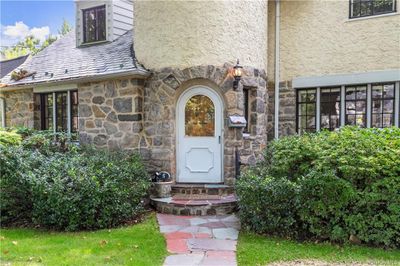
[(85, 44), (373, 16)]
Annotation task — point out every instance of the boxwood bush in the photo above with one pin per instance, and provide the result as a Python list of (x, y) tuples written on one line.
[(78, 188), (337, 185), (9, 137)]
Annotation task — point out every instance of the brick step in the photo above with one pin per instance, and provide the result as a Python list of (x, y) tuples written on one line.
[(209, 189), (225, 205)]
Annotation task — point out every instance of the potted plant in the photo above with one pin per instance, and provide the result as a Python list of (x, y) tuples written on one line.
[(162, 183)]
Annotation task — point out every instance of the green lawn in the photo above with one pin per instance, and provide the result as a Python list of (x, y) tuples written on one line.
[(140, 244), (261, 250)]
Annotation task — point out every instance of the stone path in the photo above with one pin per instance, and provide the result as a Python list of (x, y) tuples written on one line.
[(200, 240)]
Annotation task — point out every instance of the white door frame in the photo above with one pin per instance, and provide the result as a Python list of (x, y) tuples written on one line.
[(192, 91)]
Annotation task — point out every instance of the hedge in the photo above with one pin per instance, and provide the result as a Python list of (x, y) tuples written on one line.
[(48, 185), (328, 186)]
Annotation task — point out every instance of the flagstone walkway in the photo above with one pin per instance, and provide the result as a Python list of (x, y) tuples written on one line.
[(200, 240)]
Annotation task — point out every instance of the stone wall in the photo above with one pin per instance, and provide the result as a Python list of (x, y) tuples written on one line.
[(110, 113), (287, 109), (19, 108), (161, 93)]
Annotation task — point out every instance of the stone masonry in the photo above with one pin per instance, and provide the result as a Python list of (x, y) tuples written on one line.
[(140, 115), (161, 92), (110, 113), (287, 109), (19, 108)]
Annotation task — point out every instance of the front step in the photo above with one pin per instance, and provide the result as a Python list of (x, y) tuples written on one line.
[(210, 189), (197, 199), (225, 205)]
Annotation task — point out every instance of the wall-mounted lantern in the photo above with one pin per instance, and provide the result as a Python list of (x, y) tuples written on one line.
[(237, 74)]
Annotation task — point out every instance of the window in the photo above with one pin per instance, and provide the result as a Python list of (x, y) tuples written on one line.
[(356, 106), (54, 111), (364, 8), (199, 117), (246, 102), (330, 108), (46, 109), (94, 24), (367, 105), (306, 110), (383, 105)]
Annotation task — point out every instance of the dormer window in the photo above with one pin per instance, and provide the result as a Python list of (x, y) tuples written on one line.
[(94, 24)]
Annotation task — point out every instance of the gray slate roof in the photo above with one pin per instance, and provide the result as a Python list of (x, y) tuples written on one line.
[(63, 61), (7, 66)]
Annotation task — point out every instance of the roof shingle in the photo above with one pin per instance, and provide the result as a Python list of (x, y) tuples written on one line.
[(64, 61)]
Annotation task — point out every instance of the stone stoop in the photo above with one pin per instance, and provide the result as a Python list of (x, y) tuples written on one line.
[(226, 204)]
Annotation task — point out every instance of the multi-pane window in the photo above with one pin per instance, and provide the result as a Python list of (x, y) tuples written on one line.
[(54, 111), (61, 109), (74, 111), (46, 108), (94, 24), (356, 105), (330, 108), (364, 8), (383, 104), (364, 105), (306, 110)]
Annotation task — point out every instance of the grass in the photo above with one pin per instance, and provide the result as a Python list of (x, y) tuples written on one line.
[(139, 244), (260, 250)]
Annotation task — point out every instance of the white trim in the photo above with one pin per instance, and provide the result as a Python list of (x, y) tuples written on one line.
[(347, 79), (397, 104), (342, 105), (3, 111), (372, 17), (55, 88), (69, 112), (318, 110), (54, 113), (369, 106)]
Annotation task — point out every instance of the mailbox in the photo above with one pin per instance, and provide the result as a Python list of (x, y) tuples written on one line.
[(237, 121)]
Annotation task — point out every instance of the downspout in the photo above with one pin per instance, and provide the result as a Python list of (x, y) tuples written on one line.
[(277, 67)]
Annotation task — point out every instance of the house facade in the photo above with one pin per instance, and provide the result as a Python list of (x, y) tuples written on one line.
[(162, 78)]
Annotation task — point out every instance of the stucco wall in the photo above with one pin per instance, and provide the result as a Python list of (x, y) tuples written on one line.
[(317, 38), (189, 33)]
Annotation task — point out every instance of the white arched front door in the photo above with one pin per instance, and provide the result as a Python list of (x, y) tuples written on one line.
[(199, 136)]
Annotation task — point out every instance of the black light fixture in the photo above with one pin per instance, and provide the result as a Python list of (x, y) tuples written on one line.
[(237, 74)]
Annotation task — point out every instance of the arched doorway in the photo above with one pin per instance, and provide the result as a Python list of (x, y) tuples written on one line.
[(199, 136)]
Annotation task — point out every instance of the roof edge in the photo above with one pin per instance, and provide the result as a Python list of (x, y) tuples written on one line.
[(15, 58), (141, 74)]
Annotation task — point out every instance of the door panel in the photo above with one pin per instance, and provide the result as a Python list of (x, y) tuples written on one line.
[(199, 158)]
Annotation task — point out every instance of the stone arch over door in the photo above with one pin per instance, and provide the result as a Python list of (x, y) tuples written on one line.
[(161, 93)]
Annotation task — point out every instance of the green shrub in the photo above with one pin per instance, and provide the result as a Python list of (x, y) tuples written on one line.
[(324, 202), (347, 183), (9, 138), (78, 189), (375, 217), (268, 205), (16, 166)]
